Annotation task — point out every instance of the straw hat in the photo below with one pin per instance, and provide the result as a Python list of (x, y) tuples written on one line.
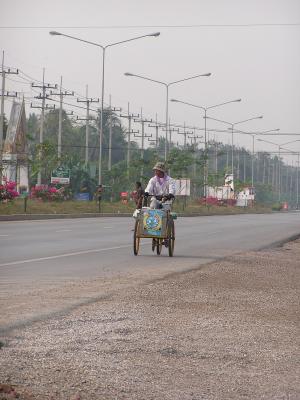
[(160, 167)]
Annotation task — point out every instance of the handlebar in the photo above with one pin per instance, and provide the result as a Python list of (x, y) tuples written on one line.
[(163, 197), (159, 197)]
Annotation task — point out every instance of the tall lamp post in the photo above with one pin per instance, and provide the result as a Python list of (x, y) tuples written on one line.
[(205, 132), (232, 125), (167, 85), (55, 33), (280, 146)]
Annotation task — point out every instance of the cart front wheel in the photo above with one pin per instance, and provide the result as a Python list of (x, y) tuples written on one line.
[(157, 244), (136, 239)]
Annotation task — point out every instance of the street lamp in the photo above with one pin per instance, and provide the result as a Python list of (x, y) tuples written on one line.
[(167, 97), (253, 134), (280, 146), (55, 33), (232, 125), (205, 131)]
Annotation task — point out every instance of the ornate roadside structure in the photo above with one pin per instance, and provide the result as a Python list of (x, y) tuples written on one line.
[(15, 150)]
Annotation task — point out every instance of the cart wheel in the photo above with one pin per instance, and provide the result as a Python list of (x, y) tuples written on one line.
[(136, 239), (171, 237), (158, 246), (153, 244)]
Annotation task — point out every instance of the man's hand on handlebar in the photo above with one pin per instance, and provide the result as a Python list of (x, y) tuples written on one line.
[(164, 197), (169, 196)]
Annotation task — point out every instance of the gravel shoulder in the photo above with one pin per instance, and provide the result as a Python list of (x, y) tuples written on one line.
[(226, 330)]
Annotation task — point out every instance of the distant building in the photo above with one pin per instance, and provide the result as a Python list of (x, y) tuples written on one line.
[(15, 150), (246, 197)]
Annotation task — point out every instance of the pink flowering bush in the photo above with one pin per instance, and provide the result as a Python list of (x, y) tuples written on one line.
[(8, 190), (46, 193)]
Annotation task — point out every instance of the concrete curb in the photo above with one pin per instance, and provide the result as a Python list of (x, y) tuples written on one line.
[(32, 217)]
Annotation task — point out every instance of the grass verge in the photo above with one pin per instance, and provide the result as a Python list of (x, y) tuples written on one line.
[(82, 207)]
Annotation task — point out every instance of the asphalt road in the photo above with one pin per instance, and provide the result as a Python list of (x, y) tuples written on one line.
[(51, 266), (88, 248)]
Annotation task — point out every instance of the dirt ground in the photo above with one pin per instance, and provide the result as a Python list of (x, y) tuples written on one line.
[(226, 330)]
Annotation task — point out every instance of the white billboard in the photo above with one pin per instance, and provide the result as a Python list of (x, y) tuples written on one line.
[(182, 187)]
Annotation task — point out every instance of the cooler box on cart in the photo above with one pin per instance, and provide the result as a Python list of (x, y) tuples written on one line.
[(153, 223)]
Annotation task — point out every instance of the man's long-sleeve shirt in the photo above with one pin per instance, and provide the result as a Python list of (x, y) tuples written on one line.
[(161, 186)]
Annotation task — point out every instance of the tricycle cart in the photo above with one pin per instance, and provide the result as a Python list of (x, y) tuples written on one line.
[(155, 224)]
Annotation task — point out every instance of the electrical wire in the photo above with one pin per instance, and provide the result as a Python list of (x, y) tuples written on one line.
[(252, 25)]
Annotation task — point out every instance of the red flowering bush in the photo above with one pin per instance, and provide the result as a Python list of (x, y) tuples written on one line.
[(46, 193), (8, 190), (208, 201)]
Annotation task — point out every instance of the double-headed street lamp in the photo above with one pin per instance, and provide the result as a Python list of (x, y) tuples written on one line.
[(280, 146), (167, 85), (205, 131), (232, 125), (55, 33)]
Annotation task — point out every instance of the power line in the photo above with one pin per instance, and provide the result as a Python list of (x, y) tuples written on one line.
[(280, 24)]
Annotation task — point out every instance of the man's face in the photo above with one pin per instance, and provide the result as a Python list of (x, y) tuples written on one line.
[(158, 173)]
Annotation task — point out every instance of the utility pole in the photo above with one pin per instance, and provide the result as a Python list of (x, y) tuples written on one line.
[(194, 143), (4, 71), (274, 178), (227, 157), (155, 125), (170, 130), (216, 157), (143, 136), (44, 106), (111, 110), (129, 132), (291, 180), (61, 95), (185, 133), (87, 125), (238, 162)]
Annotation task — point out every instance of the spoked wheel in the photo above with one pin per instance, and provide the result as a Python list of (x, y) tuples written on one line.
[(157, 244), (153, 244), (171, 237), (136, 239)]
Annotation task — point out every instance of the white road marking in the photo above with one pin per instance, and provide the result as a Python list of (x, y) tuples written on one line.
[(4, 235), (64, 230), (65, 255)]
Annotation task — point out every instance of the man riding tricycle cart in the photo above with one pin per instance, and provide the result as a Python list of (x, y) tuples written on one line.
[(157, 221)]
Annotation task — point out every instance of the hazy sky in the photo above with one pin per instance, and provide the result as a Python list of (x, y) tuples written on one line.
[(251, 47)]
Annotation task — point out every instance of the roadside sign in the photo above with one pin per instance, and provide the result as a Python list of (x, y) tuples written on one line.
[(182, 187), (82, 197), (61, 175)]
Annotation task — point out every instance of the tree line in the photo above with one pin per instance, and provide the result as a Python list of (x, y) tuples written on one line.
[(182, 162)]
